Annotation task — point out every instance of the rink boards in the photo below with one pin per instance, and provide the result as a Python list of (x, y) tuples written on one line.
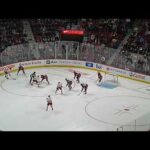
[(79, 64)]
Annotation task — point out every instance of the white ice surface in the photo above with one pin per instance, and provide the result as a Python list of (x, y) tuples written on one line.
[(22, 106)]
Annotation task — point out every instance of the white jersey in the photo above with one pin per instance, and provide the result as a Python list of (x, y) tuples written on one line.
[(35, 78), (49, 100), (38, 78), (84, 84), (59, 85)]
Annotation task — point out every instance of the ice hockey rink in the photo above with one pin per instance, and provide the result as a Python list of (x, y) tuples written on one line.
[(103, 108)]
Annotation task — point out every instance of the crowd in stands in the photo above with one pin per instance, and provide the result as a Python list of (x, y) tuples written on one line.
[(11, 33), (101, 38), (135, 54), (106, 31), (97, 31), (45, 30), (139, 40)]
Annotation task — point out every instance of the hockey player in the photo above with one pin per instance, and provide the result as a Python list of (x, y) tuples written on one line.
[(99, 77), (75, 74), (59, 87), (44, 77), (84, 87), (36, 79), (32, 76), (49, 102), (69, 83), (7, 73), (21, 68), (78, 77)]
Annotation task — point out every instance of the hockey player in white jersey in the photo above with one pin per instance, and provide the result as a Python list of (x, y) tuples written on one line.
[(7, 73), (49, 102), (36, 79), (59, 87)]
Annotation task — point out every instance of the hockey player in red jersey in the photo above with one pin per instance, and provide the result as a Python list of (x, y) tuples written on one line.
[(78, 77), (75, 74), (84, 87), (59, 87), (49, 102), (44, 77), (21, 68), (69, 83), (99, 77)]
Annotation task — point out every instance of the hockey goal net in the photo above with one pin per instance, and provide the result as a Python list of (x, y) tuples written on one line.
[(110, 78)]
